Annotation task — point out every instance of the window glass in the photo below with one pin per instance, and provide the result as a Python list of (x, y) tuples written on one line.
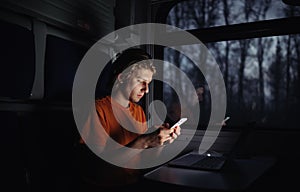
[(61, 62), (261, 74), (17, 61)]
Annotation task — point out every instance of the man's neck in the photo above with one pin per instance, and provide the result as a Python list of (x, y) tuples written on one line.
[(121, 99)]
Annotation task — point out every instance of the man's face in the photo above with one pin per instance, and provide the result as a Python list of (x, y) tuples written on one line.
[(200, 92), (199, 97), (138, 84)]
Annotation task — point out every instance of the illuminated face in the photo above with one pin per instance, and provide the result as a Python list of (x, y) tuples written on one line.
[(138, 84), (199, 97), (200, 92)]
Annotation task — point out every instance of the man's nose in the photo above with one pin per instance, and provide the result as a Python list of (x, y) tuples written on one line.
[(146, 88)]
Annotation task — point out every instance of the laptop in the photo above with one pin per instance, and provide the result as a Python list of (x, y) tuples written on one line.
[(210, 160)]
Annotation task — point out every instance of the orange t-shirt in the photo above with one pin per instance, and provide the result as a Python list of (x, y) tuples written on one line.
[(115, 121), (123, 125)]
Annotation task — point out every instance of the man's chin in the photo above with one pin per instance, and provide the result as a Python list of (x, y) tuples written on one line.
[(135, 100)]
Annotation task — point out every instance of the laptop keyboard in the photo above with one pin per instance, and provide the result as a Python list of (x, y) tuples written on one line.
[(209, 163), (196, 161)]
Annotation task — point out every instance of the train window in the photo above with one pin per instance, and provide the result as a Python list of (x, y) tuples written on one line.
[(18, 61), (261, 71), (61, 62)]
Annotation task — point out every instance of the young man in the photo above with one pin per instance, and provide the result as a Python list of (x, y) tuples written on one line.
[(120, 122), (199, 102)]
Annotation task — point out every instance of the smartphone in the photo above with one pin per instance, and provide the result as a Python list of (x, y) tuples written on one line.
[(226, 119), (180, 122)]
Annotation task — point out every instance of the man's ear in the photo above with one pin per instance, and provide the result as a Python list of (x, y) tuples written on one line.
[(120, 78)]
